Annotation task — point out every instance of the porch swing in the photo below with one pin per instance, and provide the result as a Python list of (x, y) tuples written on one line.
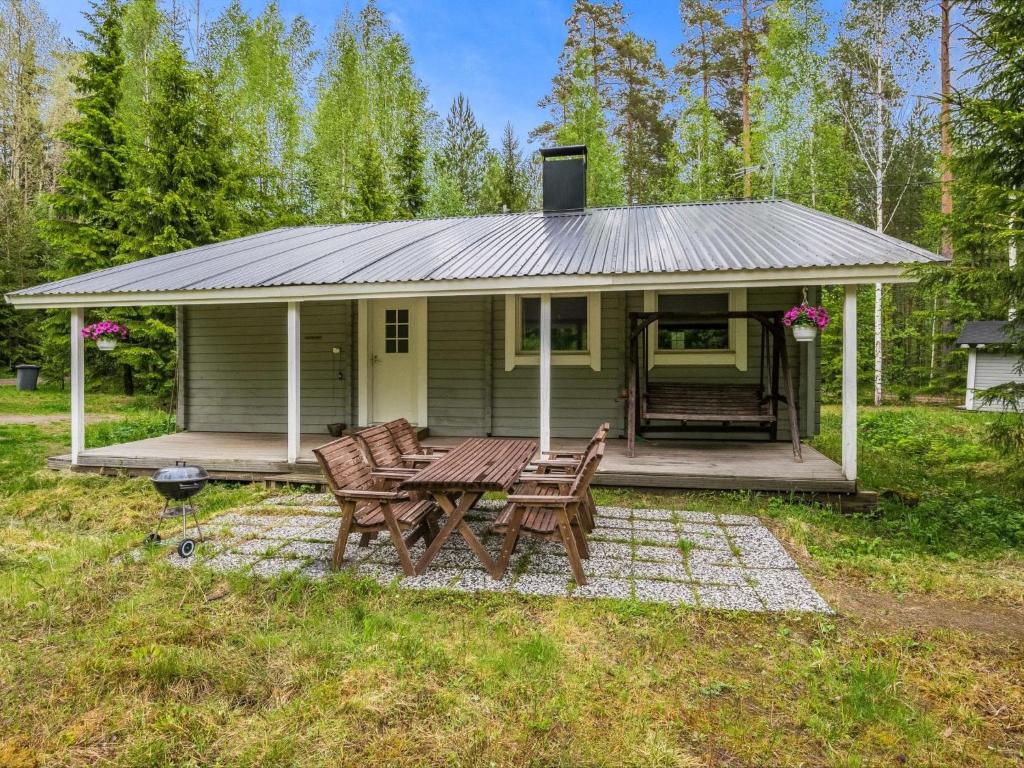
[(704, 406)]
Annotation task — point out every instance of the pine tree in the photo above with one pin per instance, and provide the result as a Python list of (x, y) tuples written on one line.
[(643, 129), (461, 154), (593, 31), (585, 123)]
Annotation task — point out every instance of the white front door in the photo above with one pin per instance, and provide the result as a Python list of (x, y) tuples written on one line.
[(397, 359)]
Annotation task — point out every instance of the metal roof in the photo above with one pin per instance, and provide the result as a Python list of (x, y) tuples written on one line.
[(635, 240), (984, 332)]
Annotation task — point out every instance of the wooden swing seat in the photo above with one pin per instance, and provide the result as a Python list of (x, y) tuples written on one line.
[(707, 403)]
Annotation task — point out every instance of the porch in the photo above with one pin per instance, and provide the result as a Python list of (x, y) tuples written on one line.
[(704, 465)]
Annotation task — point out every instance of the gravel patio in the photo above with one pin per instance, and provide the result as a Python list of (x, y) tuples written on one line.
[(697, 559)]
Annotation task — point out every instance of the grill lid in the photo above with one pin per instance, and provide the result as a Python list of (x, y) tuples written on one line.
[(179, 474)]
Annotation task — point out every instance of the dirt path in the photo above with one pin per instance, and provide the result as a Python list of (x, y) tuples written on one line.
[(888, 611), (42, 419)]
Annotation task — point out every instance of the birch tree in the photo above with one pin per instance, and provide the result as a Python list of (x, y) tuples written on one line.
[(880, 58)]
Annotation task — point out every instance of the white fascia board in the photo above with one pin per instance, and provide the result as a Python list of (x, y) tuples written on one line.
[(711, 279)]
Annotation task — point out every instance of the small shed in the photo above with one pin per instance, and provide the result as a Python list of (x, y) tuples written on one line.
[(990, 362)]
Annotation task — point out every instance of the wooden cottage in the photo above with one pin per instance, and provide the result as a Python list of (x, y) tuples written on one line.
[(663, 320)]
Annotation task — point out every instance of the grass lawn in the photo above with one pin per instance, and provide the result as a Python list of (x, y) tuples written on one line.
[(138, 663)]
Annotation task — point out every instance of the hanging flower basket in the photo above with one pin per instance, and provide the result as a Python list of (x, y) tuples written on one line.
[(806, 321), (105, 334)]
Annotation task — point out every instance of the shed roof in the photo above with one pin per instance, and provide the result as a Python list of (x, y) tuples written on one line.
[(977, 332), (636, 240)]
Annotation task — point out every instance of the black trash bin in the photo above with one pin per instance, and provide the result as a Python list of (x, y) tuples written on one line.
[(27, 377)]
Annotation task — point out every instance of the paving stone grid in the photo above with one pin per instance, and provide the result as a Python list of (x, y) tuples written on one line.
[(695, 559)]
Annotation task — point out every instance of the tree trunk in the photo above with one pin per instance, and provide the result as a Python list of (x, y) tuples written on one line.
[(745, 66), (944, 123), (879, 197), (129, 380)]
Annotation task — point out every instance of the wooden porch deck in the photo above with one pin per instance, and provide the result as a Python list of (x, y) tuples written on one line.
[(707, 465)]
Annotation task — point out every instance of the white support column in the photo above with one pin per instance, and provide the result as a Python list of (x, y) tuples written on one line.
[(77, 384), (850, 382), (294, 382), (972, 372), (545, 372)]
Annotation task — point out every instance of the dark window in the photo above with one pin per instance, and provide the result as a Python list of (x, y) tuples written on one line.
[(568, 324), (679, 335), (396, 331)]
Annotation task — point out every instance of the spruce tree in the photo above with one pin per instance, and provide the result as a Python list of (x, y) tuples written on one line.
[(461, 155), (410, 176), (81, 232), (373, 200), (182, 194)]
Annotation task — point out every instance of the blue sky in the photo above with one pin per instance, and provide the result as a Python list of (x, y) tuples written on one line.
[(500, 54)]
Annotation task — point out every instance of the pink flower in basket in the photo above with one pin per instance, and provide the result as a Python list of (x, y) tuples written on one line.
[(807, 316), (104, 330)]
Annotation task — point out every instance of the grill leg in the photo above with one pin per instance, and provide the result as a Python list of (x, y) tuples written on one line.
[(195, 519)]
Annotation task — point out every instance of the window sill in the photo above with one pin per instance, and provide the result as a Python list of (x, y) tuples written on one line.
[(557, 358), (696, 357)]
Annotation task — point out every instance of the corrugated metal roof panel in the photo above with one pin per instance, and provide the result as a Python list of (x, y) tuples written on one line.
[(695, 237)]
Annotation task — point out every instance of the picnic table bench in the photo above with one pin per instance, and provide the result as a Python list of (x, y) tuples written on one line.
[(458, 479)]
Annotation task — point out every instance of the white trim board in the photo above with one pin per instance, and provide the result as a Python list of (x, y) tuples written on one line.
[(553, 284)]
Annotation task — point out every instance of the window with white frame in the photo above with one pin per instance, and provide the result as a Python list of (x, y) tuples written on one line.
[(701, 339), (575, 330)]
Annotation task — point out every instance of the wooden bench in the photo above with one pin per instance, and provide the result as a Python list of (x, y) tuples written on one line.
[(727, 404)]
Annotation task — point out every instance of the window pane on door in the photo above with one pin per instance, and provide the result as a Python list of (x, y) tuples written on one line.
[(396, 331), (568, 324), (698, 334)]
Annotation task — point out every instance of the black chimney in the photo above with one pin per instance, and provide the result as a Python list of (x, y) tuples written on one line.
[(565, 178)]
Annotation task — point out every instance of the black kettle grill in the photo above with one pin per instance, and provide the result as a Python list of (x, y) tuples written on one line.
[(179, 483)]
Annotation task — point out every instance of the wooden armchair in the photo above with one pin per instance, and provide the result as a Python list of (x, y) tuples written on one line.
[(551, 511), (383, 453), (569, 461), (408, 442), (369, 507), (560, 471)]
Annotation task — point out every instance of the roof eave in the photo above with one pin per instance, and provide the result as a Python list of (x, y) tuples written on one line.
[(710, 279)]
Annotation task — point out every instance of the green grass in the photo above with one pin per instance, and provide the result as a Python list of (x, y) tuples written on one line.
[(139, 664), (51, 399)]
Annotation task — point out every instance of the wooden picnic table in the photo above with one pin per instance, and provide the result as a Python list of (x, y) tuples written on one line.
[(458, 479)]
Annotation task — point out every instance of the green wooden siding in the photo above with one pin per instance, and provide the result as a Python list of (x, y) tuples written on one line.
[(234, 360), (235, 367), (458, 387)]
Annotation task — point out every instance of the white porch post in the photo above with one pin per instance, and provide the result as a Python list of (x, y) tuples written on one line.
[(77, 384), (850, 382), (972, 372), (294, 383), (545, 372)]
